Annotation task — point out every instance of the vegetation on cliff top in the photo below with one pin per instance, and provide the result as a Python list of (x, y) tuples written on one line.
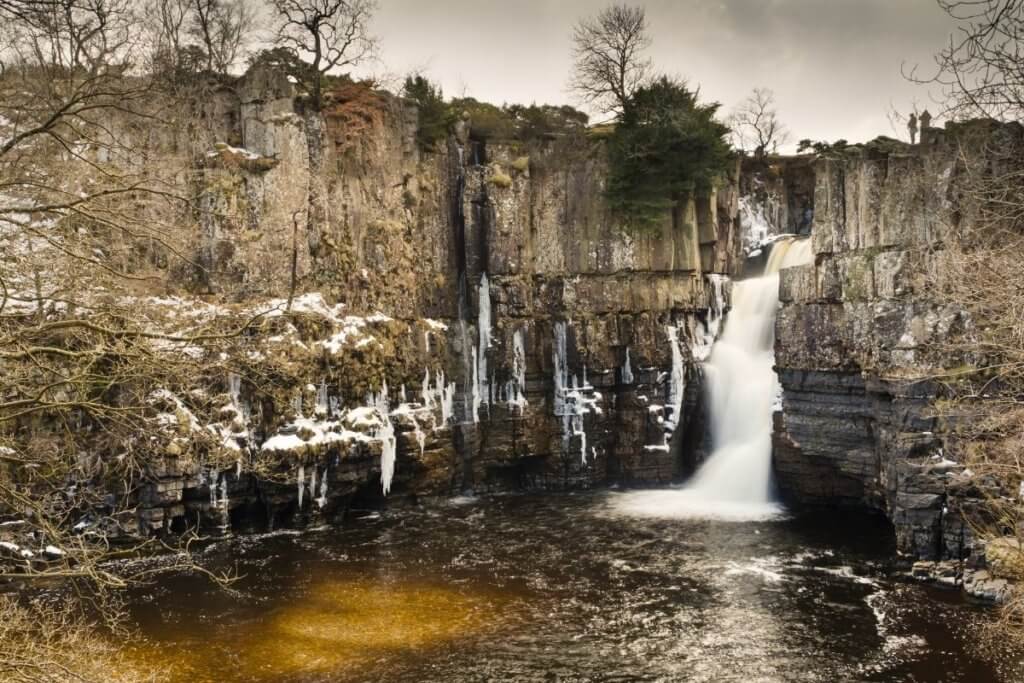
[(665, 143), (666, 146)]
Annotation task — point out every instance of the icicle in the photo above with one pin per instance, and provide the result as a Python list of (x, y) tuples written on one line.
[(582, 433), (212, 479), (322, 500), (425, 393), (485, 312), (561, 370), (484, 325), (389, 445), (677, 381), (447, 401), (312, 481), (627, 370), (515, 388), (476, 385), (224, 491), (704, 338), (426, 341), (389, 442), (301, 483), (321, 399)]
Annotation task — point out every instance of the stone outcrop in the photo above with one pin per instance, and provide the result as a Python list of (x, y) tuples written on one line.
[(856, 426)]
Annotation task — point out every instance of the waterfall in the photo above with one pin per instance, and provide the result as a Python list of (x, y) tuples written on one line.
[(735, 481)]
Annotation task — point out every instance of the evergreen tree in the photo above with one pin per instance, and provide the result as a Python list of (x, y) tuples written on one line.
[(666, 145)]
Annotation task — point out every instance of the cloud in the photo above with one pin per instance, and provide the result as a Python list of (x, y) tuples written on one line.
[(835, 65)]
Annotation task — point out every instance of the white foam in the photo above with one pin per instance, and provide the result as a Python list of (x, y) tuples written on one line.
[(690, 504)]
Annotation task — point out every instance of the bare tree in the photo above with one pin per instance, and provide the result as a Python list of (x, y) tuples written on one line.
[(190, 36), (334, 33), (222, 27), (756, 125), (88, 223), (979, 70), (608, 53)]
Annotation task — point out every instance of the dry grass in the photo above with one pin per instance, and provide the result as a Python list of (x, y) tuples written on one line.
[(979, 270), (45, 644)]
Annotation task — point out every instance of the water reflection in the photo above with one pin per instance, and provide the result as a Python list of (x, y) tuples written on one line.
[(330, 626), (563, 588)]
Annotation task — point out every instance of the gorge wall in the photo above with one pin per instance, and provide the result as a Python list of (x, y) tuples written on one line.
[(392, 321), (857, 425), (474, 319)]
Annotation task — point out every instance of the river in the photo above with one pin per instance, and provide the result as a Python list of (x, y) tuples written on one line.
[(562, 587)]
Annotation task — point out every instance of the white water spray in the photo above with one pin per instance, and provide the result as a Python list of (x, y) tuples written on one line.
[(735, 482)]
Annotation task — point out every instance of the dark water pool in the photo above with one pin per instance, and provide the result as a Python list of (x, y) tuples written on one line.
[(559, 588)]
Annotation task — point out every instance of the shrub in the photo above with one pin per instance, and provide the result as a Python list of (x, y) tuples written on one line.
[(499, 178), (517, 122)]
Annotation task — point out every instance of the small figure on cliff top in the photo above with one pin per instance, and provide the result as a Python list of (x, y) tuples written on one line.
[(912, 128), (926, 122)]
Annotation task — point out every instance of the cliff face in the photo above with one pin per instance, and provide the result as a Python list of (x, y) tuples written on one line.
[(478, 299), (856, 428)]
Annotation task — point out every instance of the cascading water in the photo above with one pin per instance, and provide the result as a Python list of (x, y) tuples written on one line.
[(735, 482)]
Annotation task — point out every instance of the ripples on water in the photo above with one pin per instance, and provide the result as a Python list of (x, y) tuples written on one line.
[(562, 588)]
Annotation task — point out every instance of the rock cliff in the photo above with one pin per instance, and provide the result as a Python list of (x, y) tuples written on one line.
[(471, 318), (857, 426)]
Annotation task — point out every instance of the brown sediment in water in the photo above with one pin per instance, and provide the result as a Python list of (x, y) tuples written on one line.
[(336, 626)]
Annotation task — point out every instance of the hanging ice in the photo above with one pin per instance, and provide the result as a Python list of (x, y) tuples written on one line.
[(476, 384), (425, 393), (301, 482), (321, 399), (627, 370), (482, 390), (560, 361), (389, 445), (211, 479), (224, 491), (515, 389), (571, 400), (446, 394), (322, 500), (704, 335), (677, 381), (388, 440)]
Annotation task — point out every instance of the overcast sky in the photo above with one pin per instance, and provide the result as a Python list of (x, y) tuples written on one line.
[(833, 64)]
